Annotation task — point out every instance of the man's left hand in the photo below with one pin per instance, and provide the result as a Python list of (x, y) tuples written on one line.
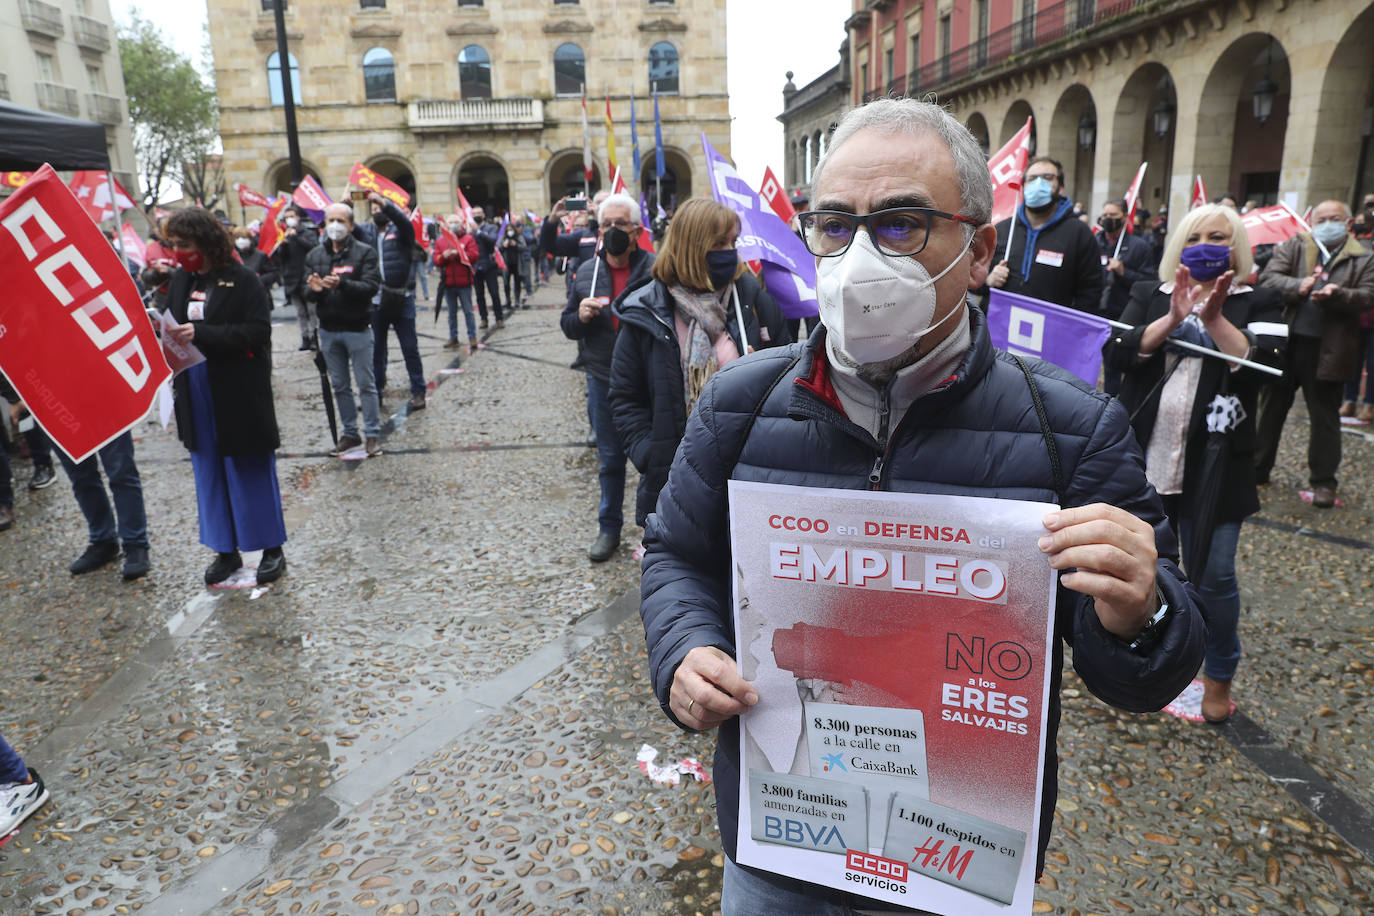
[(1112, 555), (1324, 293), (184, 333)]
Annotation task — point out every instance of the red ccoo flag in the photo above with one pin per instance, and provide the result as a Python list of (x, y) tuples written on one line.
[(250, 198), (1006, 166), (271, 233), (417, 221), (1199, 193)]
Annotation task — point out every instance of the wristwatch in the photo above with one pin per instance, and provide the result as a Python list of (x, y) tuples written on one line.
[(1154, 628)]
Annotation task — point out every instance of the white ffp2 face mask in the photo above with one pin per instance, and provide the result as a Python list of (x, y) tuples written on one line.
[(336, 231), (875, 307)]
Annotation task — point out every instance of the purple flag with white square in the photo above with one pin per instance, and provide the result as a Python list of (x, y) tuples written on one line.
[(789, 270), (1066, 337)]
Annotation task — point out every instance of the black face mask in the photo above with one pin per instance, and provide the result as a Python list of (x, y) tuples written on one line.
[(721, 267), (379, 219), (1111, 224), (617, 241), (479, 220), (591, 224)]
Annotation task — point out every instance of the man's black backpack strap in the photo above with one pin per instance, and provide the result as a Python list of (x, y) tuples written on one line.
[(1059, 488)]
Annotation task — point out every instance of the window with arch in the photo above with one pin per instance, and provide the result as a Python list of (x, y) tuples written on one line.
[(663, 67), (379, 75), (274, 84), (474, 72), (569, 69)]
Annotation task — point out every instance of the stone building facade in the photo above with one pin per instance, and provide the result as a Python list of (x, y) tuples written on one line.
[(808, 116), (1270, 100), (442, 94), (62, 56)]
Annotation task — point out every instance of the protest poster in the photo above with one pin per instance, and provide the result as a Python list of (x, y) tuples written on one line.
[(74, 340), (1068, 338), (179, 356), (900, 647)]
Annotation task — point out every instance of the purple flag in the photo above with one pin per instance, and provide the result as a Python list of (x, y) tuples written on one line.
[(1066, 337), (789, 270)]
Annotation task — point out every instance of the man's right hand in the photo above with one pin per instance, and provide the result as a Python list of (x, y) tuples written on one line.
[(559, 208), (998, 275), (707, 689), (1309, 282), (315, 283), (588, 309)]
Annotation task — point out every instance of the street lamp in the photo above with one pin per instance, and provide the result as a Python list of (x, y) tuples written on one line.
[(1266, 90), (1087, 130), (1164, 115)]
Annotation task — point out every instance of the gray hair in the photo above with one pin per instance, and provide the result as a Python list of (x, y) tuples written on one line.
[(621, 200), (911, 116)]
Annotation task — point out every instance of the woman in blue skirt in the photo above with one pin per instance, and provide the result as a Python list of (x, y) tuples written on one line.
[(224, 405)]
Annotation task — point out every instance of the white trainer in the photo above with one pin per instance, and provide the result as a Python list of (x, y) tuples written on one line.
[(20, 799)]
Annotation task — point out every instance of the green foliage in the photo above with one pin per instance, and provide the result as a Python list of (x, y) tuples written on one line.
[(175, 113)]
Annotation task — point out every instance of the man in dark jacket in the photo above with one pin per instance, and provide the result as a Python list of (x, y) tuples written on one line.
[(343, 277), (1127, 259), (1053, 256), (579, 245), (1327, 281), (299, 239), (488, 273), (393, 236), (913, 400), (589, 318)]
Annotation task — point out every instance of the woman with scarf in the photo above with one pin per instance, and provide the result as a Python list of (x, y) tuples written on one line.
[(1184, 405), (676, 331)]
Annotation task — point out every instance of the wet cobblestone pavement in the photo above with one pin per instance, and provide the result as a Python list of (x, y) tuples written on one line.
[(437, 710)]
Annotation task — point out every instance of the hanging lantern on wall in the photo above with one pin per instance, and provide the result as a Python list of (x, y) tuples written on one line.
[(1164, 118), (1087, 130)]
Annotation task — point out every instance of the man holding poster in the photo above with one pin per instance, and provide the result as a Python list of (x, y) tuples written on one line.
[(893, 659)]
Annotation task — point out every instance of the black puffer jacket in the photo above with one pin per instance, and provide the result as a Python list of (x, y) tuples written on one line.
[(598, 335), (772, 324), (347, 307), (977, 435), (648, 401)]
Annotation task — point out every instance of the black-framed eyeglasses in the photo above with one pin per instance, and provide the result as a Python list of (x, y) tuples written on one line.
[(898, 232)]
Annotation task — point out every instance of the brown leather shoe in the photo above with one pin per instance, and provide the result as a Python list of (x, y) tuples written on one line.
[(1365, 413), (417, 402), (374, 446), (1323, 497), (1347, 408), (453, 345), (1216, 700), (346, 444)]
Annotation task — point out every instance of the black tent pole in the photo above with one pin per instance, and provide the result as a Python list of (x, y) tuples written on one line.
[(288, 97)]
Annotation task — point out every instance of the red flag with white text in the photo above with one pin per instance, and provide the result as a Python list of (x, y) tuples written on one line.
[(465, 208), (1199, 193), (134, 248), (250, 198), (1271, 225), (417, 222), (77, 346), (312, 198), (1133, 197), (92, 190), (1006, 166), (771, 190)]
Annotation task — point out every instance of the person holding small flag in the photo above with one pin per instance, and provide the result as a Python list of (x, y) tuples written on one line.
[(224, 406), (1127, 259), (1051, 256), (1326, 279), (590, 319), (1201, 466), (392, 234), (455, 252), (488, 281), (298, 239)]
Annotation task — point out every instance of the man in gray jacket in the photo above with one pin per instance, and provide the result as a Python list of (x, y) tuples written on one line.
[(903, 391)]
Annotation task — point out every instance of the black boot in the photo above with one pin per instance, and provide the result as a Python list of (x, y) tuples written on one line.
[(272, 566), (225, 565)]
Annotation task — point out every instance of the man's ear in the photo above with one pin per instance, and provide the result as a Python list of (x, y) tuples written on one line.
[(983, 248)]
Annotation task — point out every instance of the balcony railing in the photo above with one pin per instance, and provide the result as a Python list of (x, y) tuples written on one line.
[(40, 17), (104, 109), (61, 99), (91, 33), (1045, 26), (431, 114)]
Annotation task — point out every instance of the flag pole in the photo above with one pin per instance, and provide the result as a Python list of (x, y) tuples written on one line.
[(1172, 342), (1011, 226), (118, 225), (658, 154)]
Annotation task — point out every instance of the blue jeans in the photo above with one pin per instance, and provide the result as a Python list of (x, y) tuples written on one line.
[(419, 273), (746, 894), (125, 486), (610, 515), (402, 319), (341, 348), (1220, 596), (1352, 387), (453, 295), (12, 767)]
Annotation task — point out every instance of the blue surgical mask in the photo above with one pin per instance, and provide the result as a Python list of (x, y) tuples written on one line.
[(1330, 233), (1039, 193)]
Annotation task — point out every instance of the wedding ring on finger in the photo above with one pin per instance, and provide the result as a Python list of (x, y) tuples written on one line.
[(691, 701)]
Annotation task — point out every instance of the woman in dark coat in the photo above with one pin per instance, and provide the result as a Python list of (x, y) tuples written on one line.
[(224, 405), (675, 332), (253, 259), (1172, 395)]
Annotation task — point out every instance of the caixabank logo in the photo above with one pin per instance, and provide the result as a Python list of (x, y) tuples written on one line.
[(875, 871)]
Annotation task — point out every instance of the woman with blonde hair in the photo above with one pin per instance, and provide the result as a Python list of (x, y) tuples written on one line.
[(677, 330), (1183, 405)]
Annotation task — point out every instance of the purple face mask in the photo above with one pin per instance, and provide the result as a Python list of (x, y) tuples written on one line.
[(1206, 262)]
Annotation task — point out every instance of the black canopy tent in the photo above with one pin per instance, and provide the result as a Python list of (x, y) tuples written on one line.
[(29, 138)]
